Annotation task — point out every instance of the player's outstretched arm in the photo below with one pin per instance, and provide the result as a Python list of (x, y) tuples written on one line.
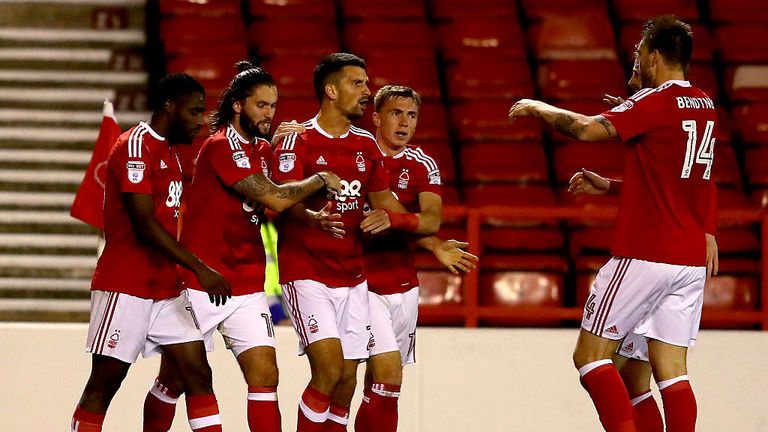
[(389, 213), (590, 183), (571, 124), (280, 197), (148, 229), (450, 253)]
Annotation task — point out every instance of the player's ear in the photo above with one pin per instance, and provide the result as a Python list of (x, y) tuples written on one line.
[(237, 107), (376, 119), (169, 106), (330, 91)]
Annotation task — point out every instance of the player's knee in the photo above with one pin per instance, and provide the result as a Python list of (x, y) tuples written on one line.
[(266, 375), (198, 380), (393, 376), (328, 376)]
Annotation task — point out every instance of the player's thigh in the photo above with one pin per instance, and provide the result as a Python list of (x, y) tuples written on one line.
[(591, 348), (326, 359), (636, 375), (259, 366), (668, 361), (386, 368), (312, 312), (174, 322), (119, 325), (249, 325), (353, 320)]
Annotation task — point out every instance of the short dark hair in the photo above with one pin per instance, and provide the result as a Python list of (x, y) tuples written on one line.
[(394, 91), (672, 38), (241, 87), (329, 66), (172, 87)]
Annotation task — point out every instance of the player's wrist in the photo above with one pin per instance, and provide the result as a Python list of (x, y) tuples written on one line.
[(322, 175), (403, 221)]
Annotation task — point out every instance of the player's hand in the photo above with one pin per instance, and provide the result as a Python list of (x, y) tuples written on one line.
[(452, 255), (712, 261), (588, 183), (287, 128), (214, 284), (522, 108), (612, 100), (332, 181), (375, 221), (325, 221)]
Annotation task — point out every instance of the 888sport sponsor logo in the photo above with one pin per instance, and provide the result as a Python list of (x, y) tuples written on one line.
[(348, 196)]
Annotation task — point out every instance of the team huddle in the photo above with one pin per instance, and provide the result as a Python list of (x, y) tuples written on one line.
[(351, 206)]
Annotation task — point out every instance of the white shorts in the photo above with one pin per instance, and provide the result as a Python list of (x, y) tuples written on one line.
[(393, 323), (244, 321), (319, 312), (654, 300), (122, 326), (634, 347)]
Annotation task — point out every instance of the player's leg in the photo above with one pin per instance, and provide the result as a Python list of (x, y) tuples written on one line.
[(632, 362), (361, 419), (313, 315), (107, 374), (671, 373), (161, 399)]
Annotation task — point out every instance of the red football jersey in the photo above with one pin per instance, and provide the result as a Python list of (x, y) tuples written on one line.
[(141, 162), (218, 225), (308, 253), (389, 260), (668, 199)]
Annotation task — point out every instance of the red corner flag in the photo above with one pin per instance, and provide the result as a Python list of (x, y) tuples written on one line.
[(89, 201)]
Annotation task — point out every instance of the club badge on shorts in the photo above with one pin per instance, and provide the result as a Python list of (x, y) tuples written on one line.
[(135, 171), (286, 162)]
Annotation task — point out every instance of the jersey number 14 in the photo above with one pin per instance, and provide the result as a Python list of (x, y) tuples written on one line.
[(706, 153)]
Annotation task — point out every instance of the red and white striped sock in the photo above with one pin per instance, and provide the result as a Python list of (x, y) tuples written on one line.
[(338, 419), (263, 411), (85, 421), (313, 410), (361, 419), (203, 413), (647, 414), (679, 404), (382, 412), (605, 387), (159, 408)]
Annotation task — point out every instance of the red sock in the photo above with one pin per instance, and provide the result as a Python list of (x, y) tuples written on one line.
[(679, 405), (609, 395), (382, 412), (203, 413), (84, 421), (313, 410), (159, 408), (647, 414), (263, 411), (361, 419), (338, 419)]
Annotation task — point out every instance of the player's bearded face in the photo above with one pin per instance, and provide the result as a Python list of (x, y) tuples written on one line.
[(258, 111), (396, 121), (188, 118), (353, 92)]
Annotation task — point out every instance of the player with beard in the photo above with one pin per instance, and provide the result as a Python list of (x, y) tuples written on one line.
[(222, 224), (323, 275), (136, 303)]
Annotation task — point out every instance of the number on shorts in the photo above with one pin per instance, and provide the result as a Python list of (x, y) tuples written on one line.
[(270, 327), (590, 307), (706, 153)]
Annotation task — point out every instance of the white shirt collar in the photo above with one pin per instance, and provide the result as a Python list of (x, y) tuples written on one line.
[(681, 83), (324, 133), (237, 134), (151, 131)]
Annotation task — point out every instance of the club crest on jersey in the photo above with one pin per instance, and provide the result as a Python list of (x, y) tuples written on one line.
[(163, 165), (402, 181), (241, 160), (286, 161), (360, 162), (135, 171), (434, 178), (321, 161), (264, 167)]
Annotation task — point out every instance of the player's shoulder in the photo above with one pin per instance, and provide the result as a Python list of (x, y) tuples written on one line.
[(296, 140), (420, 157), (362, 134), (137, 142)]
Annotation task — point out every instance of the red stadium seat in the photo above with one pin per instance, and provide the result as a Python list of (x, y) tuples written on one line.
[(582, 36), (458, 10), (299, 109), (221, 31), (432, 126), (703, 76), (293, 75), (439, 287), (703, 46), (516, 239), (499, 79), (291, 9), (521, 289), (747, 82), (538, 9), (587, 79), (373, 36), (731, 292), (487, 120), (193, 7), (738, 11), (450, 194), (629, 10), (419, 73), (389, 9), (494, 162), (496, 38), (508, 195), (732, 198), (757, 165), (527, 261), (742, 43), (214, 69), (606, 159), (724, 126), (760, 196), (737, 239), (589, 240), (751, 123), (289, 37)]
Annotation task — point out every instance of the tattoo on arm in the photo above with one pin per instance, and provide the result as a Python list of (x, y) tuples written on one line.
[(606, 124), (257, 185), (567, 124)]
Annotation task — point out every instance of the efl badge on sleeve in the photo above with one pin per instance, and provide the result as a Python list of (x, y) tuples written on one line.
[(135, 171), (241, 160), (286, 162), (434, 178)]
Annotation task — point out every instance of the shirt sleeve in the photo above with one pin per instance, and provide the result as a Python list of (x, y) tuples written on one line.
[(637, 115), (429, 175), (133, 166), (288, 159), (231, 165)]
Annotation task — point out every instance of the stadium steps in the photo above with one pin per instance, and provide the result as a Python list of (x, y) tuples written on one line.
[(59, 61)]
